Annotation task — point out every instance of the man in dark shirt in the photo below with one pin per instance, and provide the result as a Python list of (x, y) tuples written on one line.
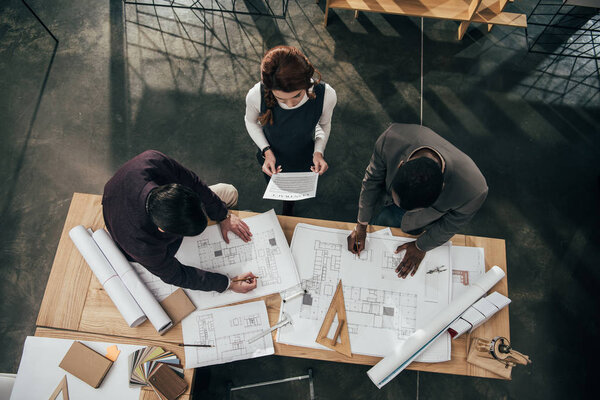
[(152, 202)]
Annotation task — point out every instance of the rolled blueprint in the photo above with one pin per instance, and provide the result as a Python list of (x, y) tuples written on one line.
[(386, 369), (114, 287), (142, 295)]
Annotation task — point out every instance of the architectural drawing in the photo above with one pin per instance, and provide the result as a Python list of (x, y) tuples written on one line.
[(468, 264), (391, 260), (227, 330), (261, 252), (364, 306), (267, 255), (382, 310)]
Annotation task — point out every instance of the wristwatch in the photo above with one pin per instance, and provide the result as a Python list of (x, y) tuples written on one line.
[(263, 151)]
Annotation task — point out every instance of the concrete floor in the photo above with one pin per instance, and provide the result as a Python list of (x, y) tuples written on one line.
[(125, 80)]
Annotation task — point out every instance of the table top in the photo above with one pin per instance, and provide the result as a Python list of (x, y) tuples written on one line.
[(80, 305)]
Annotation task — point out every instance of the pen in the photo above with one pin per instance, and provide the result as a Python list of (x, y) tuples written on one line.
[(194, 345), (245, 279), (357, 243)]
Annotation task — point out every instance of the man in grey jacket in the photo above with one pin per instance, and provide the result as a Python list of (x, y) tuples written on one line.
[(430, 188)]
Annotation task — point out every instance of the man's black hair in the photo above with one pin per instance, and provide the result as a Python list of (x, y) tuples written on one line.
[(418, 183), (176, 209)]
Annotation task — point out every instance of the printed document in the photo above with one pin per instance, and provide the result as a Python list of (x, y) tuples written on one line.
[(292, 186)]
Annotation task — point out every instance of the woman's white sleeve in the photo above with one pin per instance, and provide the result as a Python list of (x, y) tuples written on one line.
[(251, 118), (323, 127)]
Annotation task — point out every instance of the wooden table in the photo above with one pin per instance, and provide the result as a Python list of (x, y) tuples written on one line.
[(75, 306), (489, 12)]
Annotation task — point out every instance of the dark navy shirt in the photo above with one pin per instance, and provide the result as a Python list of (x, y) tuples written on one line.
[(124, 208)]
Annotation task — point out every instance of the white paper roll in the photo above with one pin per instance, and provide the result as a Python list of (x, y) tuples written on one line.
[(143, 296), (386, 369), (114, 287)]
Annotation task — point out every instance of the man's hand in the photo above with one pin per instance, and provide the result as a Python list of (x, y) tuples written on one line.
[(269, 167), (319, 163), (356, 240), (234, 224), (411, 261), (247, 283)]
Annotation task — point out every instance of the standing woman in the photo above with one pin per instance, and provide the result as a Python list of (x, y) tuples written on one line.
[(288, 115)]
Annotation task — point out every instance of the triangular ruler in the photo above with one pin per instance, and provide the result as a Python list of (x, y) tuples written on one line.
[(336, 307), (62, 387)]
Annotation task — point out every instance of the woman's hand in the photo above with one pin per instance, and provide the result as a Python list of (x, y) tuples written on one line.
[(269, 167), (319, 163)]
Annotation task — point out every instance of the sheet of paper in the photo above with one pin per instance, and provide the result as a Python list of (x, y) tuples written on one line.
[(383, 232), (267, 255), (468, 264), (292, 186), (228, 330), (382, 309), (39, 373)]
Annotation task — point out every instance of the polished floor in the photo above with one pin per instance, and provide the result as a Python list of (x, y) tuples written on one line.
[(124, 79)]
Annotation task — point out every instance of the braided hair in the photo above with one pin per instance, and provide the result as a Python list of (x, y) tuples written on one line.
[(285, 68)]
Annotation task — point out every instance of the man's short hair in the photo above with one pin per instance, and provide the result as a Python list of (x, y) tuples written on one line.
[(418, 183), (176, 209)]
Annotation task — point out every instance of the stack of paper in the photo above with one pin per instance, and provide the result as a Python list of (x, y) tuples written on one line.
[(142, 363)]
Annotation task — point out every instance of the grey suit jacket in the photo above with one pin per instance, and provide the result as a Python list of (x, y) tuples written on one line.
[(465, 188)]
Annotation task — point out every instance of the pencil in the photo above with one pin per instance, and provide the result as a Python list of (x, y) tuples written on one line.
[(244, 279), (194, 345)]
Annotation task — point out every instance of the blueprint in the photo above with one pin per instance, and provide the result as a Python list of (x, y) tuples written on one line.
[(227, 329), (382, 310), (468, 264), (267, 255)]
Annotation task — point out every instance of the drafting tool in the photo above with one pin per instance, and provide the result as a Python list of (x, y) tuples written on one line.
[(495, 355), (285, 320), (294, 295), (338, 307), (245, 279), (62, 388), (437, 269)]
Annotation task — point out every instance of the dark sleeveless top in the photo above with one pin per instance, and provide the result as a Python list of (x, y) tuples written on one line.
[(291, 136)]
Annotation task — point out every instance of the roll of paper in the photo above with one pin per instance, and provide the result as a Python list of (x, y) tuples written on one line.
[(386, 369), (142, 295), (114, 287)]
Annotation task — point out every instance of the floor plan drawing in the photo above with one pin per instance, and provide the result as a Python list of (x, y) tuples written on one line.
[(267, 255), (468, 264), (227, 331), (381, 308), (391, 260), (261, 252), (364, 304)]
